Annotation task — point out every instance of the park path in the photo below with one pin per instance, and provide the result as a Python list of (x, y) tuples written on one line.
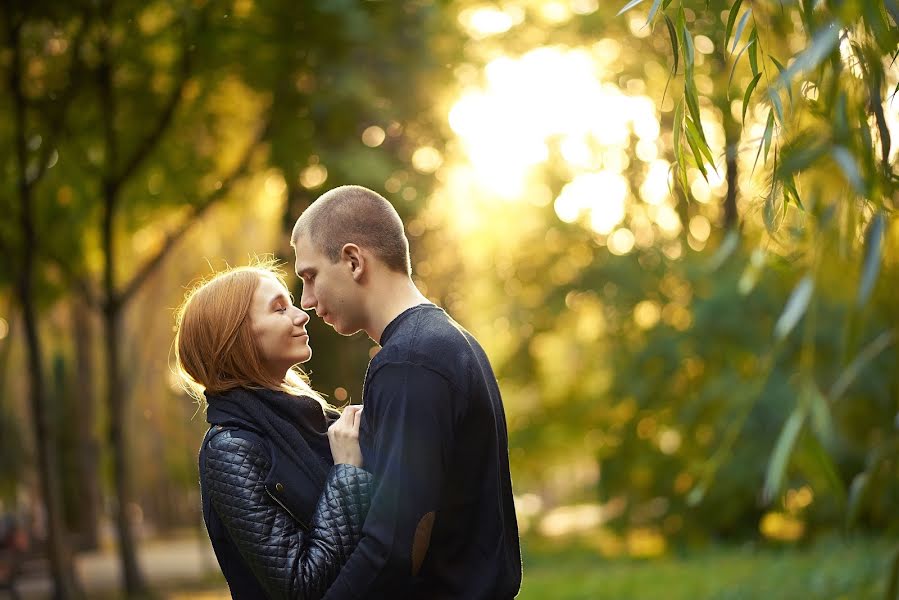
[(165, 563)]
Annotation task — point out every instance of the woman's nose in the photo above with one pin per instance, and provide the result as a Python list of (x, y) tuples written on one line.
[(301, 317)]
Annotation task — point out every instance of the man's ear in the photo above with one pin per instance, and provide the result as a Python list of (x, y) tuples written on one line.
[(355, 259)]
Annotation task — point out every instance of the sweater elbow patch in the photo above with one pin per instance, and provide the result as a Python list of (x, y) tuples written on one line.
[(421, 541)]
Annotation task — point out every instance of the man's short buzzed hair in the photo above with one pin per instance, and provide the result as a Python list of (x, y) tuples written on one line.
[(352, 214)]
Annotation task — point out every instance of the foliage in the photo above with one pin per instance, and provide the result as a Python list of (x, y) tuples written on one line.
[(834, 568)]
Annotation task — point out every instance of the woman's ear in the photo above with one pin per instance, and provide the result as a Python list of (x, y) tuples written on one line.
[(355, 259)]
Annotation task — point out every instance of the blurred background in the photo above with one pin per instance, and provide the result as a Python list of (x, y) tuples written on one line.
[(671, 225)]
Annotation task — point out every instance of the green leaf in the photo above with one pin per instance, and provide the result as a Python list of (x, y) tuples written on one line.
[(692, 103), (777, 465), (753, 51), (765, 142), (731, 19), (848, 166), (771, 211), (748, 94), (774, 96), (699, 140), (823, 43), (740, 27), (822, 419), (728, 245), (858, 491), (769, 131), (665, 4), (697, 153), (674, 45), (653, 11), (689, 52), (826, 465), (795, 308), (870, 352), (871, 264), (781, 69), (877, 107), (677, 128), (733, 67), (628, 6)]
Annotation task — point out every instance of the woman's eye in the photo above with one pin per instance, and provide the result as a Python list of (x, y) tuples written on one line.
[(282, 309)]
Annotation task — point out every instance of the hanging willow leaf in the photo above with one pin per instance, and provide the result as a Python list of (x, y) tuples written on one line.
[(731, 19), (869, 353), (728, 245), (858, 490), (699, 139), (748, 94), (877, 108), (770, 211), (689, 52), (871, 265), (848, 166), (826, 466), (795, 308), (697, 153), (777, 465), (823, 43), (769, 129), (781, 69), (674, 46), (740, 27), (776, 105), (753, 51), (733, 67), (677, 128), (653, 11), (628, 6)]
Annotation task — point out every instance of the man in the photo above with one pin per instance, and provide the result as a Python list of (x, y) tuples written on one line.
[(442, 522)]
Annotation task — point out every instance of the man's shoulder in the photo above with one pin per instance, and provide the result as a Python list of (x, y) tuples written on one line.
[(427, 337)]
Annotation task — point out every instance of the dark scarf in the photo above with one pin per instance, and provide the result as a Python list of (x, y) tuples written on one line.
[(296, 425)]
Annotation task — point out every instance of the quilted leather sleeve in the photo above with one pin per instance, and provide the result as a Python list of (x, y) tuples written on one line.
[(288, 561)]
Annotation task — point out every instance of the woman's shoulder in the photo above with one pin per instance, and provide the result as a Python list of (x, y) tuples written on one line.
[(233, 445)]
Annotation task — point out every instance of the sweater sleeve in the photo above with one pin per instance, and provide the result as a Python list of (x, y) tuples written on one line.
[(288, 561), (409, 412)]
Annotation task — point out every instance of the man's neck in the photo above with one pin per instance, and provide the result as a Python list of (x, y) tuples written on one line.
[(395, 294)]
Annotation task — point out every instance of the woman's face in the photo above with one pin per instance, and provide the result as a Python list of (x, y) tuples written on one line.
[(279, 327)]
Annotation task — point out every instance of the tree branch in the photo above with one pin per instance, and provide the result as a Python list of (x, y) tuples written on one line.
[(195, 214), (163, 122), (56, 119), (74, 281)]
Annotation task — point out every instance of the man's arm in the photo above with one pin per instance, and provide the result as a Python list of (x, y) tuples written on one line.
[(410, 409)]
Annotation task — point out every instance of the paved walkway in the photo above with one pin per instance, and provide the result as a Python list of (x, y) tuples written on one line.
[(164, 562)]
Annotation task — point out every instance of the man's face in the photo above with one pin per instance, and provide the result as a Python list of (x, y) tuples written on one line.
[(329, 288)]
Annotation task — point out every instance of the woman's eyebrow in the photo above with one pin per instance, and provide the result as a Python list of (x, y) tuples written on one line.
[(277, 297)]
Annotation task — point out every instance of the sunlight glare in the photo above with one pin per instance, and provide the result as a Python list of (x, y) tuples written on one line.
[(484, 21), (550, 93)]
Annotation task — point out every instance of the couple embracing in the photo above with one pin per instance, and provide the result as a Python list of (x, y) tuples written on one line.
[(410, 497)]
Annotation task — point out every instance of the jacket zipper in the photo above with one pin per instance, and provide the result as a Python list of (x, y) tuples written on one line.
[(275, 498)]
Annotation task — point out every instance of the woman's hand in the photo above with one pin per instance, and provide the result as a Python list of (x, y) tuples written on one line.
[(343, 436)]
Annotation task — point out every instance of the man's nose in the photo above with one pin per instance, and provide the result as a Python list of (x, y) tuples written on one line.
[(307, 299)]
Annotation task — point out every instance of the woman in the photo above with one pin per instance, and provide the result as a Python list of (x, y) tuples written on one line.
[(284, 495)]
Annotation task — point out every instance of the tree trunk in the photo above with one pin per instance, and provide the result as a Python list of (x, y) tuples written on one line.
[(135, 584), (85, 418), (134, 581), (57, 547)]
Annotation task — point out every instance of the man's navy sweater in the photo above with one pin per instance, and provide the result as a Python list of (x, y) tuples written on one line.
[(434, 435)]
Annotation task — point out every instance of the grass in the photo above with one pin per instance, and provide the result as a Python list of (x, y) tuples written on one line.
[(831, 569)]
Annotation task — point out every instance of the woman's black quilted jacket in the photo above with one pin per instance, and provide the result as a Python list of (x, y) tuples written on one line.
[(288, 559)]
